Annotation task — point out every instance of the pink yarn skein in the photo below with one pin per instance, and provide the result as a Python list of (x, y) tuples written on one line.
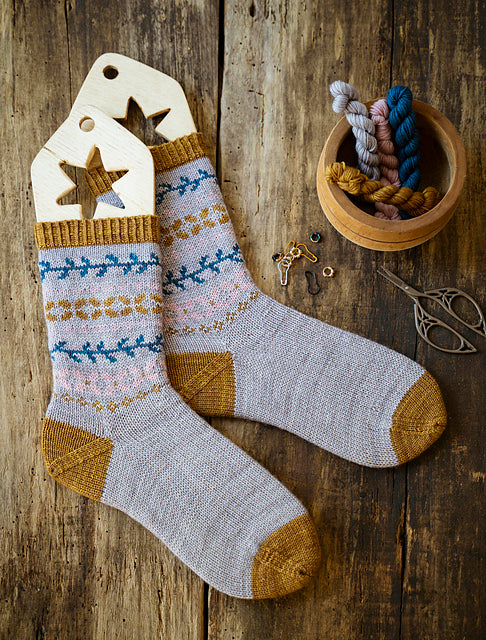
[(388, 161)]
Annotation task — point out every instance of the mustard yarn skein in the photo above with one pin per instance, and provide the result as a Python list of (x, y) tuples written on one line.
[(352, 181)]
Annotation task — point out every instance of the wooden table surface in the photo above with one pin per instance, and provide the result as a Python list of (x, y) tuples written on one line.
[(403, 549)]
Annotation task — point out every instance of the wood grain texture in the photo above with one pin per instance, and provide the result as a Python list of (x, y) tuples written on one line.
[(381, 531), (72, 568), (276, 113), (402, 549), (443, 565)]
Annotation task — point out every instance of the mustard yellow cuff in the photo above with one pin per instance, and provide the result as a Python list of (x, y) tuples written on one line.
[(88, 232)]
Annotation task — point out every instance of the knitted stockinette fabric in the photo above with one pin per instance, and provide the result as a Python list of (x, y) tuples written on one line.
[(346, 101), (407, 139), (388, 161), (233, 351), (117, 432)]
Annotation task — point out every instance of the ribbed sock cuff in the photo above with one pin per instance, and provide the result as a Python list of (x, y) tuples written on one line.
[(98, 231), (178, 152), (166, 156)]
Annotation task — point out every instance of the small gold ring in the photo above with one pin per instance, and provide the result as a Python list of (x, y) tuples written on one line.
[(328, 272)]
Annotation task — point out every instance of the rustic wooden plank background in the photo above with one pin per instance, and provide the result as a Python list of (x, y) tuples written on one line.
[(403, 549)]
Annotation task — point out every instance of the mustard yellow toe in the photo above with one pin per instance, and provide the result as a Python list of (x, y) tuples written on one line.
[(418, 420), (287, 560)]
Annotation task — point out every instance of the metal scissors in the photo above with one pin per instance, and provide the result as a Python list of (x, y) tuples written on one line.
[(425, 322)]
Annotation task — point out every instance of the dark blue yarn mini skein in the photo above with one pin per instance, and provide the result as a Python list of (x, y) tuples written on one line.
[(407, 140)]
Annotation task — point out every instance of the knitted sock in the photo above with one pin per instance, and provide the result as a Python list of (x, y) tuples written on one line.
[(233, 351), (116, 431)]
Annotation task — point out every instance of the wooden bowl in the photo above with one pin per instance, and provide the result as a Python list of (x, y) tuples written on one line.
[(443, 165)]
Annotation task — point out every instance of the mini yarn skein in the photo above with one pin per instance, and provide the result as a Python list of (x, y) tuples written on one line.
[(356, 183), (388, 161), (386, 152), (346, 101), (407, 140)]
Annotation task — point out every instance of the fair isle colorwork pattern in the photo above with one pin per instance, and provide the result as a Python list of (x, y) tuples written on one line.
[(214, 258), (209, 217), (117, 432), (96, 353), (111, 306), (201, 273), (184, 185), (112, 406), (346, 394), (206, 310), (84, 265)]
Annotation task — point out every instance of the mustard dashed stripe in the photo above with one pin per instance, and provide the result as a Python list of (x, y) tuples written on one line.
[(217, 325), (203, 220), (111, 406), (92, 308)]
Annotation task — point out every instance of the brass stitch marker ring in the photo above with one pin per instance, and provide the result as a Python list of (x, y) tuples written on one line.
[(328, 272)]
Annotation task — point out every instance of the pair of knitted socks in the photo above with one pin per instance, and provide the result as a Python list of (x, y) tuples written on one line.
[(133, 303)]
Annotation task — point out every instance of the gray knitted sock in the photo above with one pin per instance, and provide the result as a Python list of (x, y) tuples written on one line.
[(231, 350), (116, 431)]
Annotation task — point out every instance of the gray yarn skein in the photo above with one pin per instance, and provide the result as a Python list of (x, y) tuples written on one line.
[(346, 100)]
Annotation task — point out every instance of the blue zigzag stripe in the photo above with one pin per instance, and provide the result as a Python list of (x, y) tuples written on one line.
[(204, 265), (86, 266), (185, 184), (122, 346)]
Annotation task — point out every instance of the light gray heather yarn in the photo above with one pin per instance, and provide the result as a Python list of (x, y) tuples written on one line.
[(210, 503), (202, 496), (346, 101), (333, 388)]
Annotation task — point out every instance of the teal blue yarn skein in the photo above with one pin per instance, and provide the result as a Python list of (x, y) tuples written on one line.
[(407, 140)]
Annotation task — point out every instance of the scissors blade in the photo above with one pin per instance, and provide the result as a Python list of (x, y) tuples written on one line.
[(398, 282)]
